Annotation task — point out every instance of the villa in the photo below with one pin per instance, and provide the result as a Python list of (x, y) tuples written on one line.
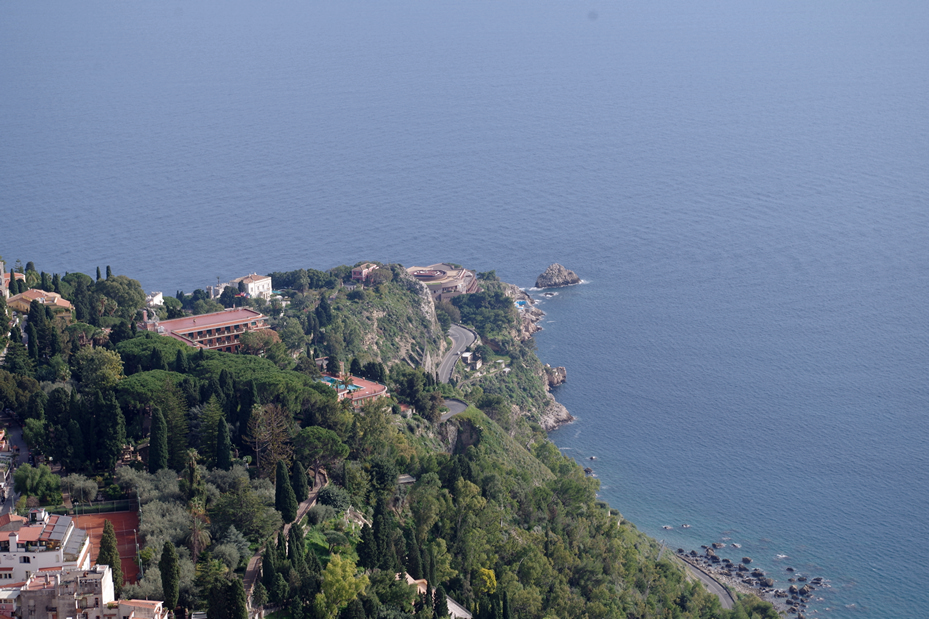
[(23, 300), (445, 281)]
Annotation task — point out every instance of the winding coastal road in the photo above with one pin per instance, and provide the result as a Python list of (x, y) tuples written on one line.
[(461, 339), (454, 407), (712, 585)]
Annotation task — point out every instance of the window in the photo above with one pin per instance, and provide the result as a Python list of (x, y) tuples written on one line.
[(25, 560)]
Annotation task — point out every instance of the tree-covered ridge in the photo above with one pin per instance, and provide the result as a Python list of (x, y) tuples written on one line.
[(490, 513)]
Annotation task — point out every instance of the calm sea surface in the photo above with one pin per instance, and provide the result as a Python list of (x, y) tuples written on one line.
[(744, 185)]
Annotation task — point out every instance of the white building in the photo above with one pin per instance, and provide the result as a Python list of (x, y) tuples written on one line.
[(40, 542), (255, 286), (72, 593), (80, 594), (154, 298)]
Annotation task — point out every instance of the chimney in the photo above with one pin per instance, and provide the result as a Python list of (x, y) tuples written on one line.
[(144, 315)]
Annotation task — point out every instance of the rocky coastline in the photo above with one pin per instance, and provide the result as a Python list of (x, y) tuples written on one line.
[(795, 600), (555, 414)]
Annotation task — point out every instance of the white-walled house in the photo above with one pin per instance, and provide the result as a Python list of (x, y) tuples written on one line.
[(40, 542)]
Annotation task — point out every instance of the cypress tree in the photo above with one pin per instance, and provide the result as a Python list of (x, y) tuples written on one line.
[(299, 482), (56, 283), (414, 563), (285, 501), (368, 556), (158, 446), (440, 604), (296, 548), (156, 360), (217, 606), (109, 272), (180, 363), (112, 434), (323, 312), (35, 408), (354, 610), (313, 565), (280, 592), (248, 398), (223, 446), (170, 575), (429, 565), (98, 274), (281, 549), (235, 594), (507, 613), (226, 384), (259, 595), (32, 345), (76, 438), (109, 555), (268, 569)]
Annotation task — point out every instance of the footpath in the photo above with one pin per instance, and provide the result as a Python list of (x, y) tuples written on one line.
[(251, 572)]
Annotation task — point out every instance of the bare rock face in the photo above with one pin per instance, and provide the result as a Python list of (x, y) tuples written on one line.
[(555, 376), (555, 415), (555, 276)]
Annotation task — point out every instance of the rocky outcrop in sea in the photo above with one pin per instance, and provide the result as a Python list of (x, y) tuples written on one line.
[(556, 276)]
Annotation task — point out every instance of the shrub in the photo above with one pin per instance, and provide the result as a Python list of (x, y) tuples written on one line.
[(320, 513), (335, 497)]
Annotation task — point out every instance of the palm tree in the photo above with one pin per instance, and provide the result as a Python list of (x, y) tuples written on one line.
[(198, 537)]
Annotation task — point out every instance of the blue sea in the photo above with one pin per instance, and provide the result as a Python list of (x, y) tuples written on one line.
[(742, 184)]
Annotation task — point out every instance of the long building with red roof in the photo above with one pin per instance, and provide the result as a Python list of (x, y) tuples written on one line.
[(216, 331)]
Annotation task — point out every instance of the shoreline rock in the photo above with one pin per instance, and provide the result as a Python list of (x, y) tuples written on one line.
[(555, 376), (555, 415), (556, 276)]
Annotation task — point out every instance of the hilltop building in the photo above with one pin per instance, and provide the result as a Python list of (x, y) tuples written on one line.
[(215, 331), (445, 281), (40, 542), (255, 286), (360, 273)]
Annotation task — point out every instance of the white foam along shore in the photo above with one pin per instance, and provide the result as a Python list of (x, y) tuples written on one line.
[(738, 577)]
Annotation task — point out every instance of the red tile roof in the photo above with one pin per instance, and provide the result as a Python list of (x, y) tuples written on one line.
[(211, 321)]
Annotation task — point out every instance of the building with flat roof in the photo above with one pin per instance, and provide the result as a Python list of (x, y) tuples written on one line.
[(215, 331), (80, 594), (445, 281), (41, 541), (357, 390)]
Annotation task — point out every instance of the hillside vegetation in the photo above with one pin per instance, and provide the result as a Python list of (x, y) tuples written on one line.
[(482, 506)]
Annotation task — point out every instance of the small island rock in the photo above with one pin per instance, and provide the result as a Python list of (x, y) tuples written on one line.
[(555, 276)]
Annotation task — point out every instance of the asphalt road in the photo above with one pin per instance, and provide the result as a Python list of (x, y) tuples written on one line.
[(454, 407), (712, 585), (461, 339)]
